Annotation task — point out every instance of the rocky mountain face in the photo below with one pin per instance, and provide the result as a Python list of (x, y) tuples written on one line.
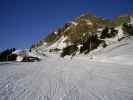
[(86, 33)]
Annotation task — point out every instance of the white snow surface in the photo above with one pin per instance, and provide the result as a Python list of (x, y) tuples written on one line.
[(108, 75)]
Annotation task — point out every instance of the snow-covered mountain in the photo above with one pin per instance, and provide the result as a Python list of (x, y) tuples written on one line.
[(84, 34)]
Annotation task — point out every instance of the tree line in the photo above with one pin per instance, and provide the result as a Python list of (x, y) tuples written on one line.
[(7, 55)]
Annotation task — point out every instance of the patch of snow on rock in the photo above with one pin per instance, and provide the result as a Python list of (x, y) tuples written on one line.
[(120, 31), (55, 33), (19, 58), (131, 20), (74, 23), (115, 39), (100, 29), (89, 22), (60, 44)]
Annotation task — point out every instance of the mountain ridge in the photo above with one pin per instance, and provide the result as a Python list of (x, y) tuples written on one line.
[(86, 29), (117, 21)]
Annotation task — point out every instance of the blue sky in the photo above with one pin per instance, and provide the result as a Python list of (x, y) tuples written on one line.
[(24, 22)]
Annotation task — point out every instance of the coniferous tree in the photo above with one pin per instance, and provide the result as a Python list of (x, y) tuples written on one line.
[(104, 33)]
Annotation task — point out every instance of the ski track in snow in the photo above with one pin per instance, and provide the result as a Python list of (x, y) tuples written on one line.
[(64, 79)]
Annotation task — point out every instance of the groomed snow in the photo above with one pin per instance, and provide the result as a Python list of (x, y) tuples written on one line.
[(105, 77)]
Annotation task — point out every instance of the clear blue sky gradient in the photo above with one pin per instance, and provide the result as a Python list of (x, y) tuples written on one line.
[(24, 22)]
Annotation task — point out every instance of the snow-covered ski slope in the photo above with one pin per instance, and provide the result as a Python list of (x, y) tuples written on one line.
[(108, 75)]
